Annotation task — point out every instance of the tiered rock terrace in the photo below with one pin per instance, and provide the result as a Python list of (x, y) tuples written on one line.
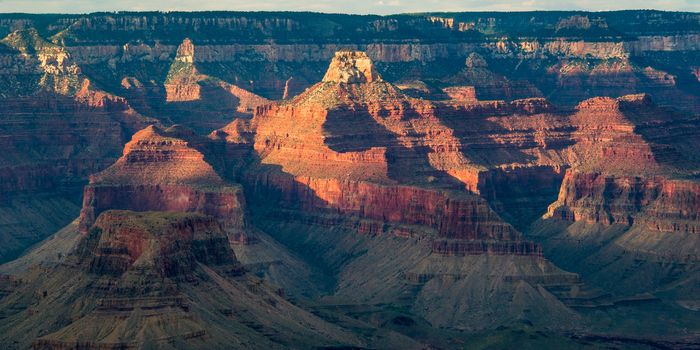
[(161, 172)]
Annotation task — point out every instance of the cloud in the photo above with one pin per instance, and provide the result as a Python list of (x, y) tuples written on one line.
[(357, 6)]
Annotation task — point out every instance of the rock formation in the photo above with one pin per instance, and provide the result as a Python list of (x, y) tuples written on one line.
[(161, 172), (188, 92), (57, 128), (489, 85), (155, 279), (182, 83), (351, 67), (353, 152), (170, 244)]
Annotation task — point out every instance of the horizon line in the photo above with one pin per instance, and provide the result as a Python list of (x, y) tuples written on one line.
[(346, 13)]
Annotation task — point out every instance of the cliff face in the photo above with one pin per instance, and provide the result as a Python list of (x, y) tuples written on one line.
[(628, 155), (536, 55), (56, 128), (171, 244), (459, 217), (657, 203)]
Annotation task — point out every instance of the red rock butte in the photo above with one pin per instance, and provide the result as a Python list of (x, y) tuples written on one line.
[(161, 172)]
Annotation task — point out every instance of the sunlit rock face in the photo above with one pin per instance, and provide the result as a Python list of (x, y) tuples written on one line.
[(351, 67), (161, 172)]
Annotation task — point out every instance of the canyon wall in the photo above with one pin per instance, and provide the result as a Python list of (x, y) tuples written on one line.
[(657, 203)]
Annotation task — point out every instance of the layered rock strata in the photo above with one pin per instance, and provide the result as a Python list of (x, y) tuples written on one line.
[(354, 157), (160, 172), (155, 279)]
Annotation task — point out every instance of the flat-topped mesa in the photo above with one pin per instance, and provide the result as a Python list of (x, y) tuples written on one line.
[(351, 67), (160, 171)]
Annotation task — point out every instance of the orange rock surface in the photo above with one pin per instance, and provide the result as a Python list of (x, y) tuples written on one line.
[(160, 172)]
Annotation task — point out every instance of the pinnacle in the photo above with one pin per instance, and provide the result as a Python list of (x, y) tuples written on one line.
[(351, 67)]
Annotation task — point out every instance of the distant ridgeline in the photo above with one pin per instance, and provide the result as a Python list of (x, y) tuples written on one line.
[(309, 27)]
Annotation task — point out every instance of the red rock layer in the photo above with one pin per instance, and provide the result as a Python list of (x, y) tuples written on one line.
[(294, 138), (628, 158), (606, 139), (183, 91), (225, 204), (658, 203), (359, 146), (63, 139), (452, 216), (160, 172)]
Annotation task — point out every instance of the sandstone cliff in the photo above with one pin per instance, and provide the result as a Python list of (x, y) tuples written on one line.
[(160, 172)]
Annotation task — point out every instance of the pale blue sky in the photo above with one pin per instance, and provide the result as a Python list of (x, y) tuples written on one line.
[(345, 6)]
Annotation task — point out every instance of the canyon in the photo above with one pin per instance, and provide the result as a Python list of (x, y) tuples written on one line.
[(305, 180)]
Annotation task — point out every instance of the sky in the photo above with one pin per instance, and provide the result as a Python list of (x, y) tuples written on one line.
[(345, 6)]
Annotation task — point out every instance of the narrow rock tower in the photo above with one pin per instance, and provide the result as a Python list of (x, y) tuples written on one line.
[(351, 67)]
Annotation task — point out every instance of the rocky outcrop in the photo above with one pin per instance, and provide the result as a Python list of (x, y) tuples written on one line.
[(182, 82), (77, 127), (161, 172), (56, 128), (171, 244), (411, 194), (200, 101), (359, 147), (489, 85), (628, 155), (658, 203), (155, 279), (351, 67)]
